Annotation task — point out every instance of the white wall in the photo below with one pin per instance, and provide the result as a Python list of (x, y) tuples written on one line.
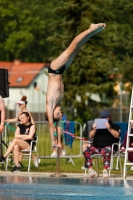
[(36, 98)]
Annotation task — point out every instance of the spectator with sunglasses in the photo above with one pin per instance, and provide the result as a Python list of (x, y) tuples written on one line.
[(22, 108)]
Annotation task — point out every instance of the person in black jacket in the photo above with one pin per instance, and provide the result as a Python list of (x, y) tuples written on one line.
[(102, 143)]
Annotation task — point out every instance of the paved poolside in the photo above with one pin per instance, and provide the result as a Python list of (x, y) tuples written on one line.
[(69, 175)]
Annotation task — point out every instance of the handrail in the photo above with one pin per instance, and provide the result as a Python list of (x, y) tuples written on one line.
[(46, 122)]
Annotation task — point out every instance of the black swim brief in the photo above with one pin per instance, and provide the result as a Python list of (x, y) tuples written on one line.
[(59, 71)]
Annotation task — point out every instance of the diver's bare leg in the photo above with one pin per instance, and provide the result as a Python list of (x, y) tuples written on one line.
[(83, 37), (67, 57)]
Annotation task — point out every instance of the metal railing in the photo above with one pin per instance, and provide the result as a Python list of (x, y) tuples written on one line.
[(44, 140)]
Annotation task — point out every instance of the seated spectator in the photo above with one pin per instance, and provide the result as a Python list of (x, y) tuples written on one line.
[(123, 148), (102, 143), (86, 131), (24, 134), (23, 108)]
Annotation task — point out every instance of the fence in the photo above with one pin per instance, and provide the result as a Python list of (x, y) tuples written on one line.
[(73, 149)]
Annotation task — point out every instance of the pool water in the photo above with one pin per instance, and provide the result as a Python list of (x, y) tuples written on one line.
[(34, 188)]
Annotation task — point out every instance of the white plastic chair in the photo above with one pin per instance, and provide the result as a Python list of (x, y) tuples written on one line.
[(26, 153), (116, 154)]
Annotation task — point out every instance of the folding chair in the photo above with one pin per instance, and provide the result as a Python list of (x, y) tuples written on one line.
[(33, 149), (116, 154), (122, 154)]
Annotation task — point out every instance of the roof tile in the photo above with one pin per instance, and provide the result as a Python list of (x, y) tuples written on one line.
[(21, 70)]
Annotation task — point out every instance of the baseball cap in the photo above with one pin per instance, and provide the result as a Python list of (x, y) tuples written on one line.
[(105, 113)]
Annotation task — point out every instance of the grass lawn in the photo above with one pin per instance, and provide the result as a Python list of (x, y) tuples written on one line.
[(49, 164)]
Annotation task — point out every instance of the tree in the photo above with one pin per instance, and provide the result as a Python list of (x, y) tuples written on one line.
[(97, 60), (24, 29), (41, 30)]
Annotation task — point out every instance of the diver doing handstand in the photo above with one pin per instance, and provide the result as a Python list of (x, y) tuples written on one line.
[(55, 89)]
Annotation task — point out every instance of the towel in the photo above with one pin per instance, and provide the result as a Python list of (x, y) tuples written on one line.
[(69, 126)]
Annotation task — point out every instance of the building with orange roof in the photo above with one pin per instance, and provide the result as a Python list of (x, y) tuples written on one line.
[(29, 79)]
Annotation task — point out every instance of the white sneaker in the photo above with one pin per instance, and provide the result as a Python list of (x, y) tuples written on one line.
[(83, 168), (105, 173), (92, 173), (36, 162), (131, 168), (63, 152), (54, 154)]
